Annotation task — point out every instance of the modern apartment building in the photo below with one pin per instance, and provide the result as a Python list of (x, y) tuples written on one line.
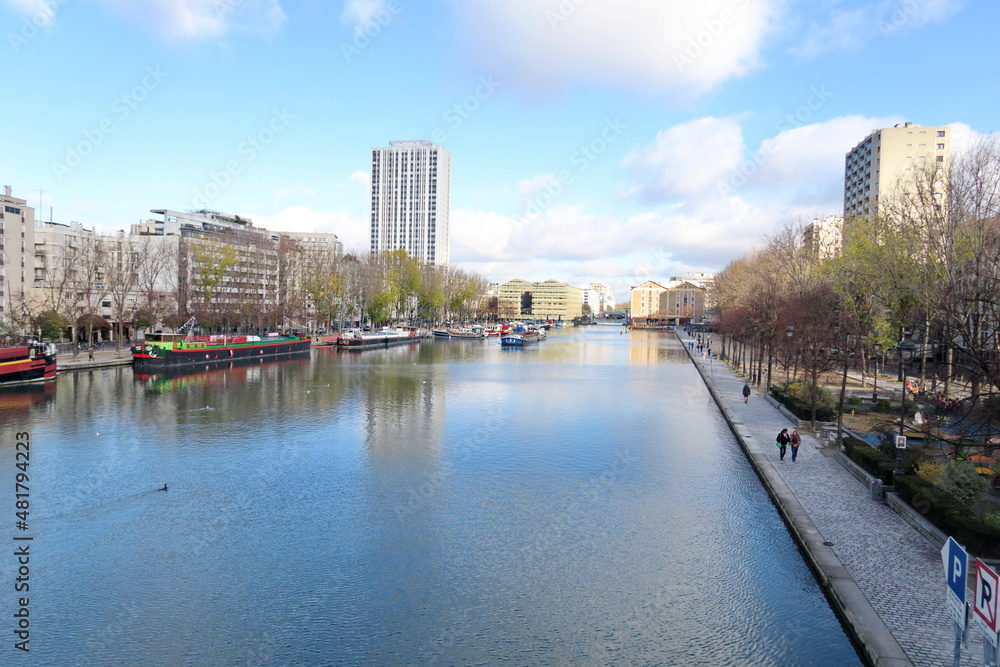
[(410, 183), (823, 239), (886, 161), (599, 297), (550, 300), (17, 252)]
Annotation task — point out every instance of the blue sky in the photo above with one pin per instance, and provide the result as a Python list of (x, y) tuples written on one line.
[(612, 140)]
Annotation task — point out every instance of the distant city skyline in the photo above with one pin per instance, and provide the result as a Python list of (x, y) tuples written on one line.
[(592, 141)]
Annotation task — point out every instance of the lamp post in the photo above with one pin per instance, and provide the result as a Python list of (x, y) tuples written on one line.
[(789, 332), (904, 345)]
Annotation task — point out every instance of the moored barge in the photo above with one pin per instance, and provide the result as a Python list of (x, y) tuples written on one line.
[(34, 362), (163, 350)]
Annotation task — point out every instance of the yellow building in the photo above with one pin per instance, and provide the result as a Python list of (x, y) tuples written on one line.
[(646, 299), (675, 302), (549, 300)]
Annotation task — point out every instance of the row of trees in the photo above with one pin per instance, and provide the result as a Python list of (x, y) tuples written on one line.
[(231, 280), (921, 274)]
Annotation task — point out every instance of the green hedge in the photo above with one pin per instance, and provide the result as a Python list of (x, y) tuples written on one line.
[(872, 460), (949, 515), (802, 409)]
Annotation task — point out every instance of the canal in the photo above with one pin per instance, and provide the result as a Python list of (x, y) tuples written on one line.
[(577, 502)]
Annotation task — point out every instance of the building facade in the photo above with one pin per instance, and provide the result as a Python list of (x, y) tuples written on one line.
[(549, 300), (410, 200), (646, 299), (17, 254), (598, 297), (887, 160), (675, 302), (824, 238)]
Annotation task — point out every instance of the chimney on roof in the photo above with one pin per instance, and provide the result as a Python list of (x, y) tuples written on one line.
[(6, 190)]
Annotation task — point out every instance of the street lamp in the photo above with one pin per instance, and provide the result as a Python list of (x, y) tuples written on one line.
[(790, 333), (904, 345), (902, 421)]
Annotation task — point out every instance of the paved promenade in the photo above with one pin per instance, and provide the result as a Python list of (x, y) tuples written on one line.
[(102, 358), (895, 568)]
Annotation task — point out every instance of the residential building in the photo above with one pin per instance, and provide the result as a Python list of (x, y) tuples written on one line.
[(17, 253), (224, 263), (885, 163), (676, 302), (702, 278), (823, 239), (646, 299), (599, 297), (683, 301), (548, 300), (410, 192)]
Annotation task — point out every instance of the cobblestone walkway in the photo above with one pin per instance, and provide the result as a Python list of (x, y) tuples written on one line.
[(897, 569)]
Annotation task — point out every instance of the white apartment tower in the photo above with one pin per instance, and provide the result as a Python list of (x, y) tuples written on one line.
[(887, 159), (410, 200)]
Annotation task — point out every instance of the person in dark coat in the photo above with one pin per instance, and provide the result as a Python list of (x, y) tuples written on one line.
[(746, 393), (782, 441)]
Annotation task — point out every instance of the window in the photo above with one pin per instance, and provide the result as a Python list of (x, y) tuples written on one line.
[(940, 147), (940, 158), (940, 133)]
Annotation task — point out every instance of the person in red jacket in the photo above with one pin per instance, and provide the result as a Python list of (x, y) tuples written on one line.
[(795, 442)]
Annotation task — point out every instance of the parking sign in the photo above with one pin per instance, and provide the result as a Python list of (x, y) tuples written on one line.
[(987, 589), (956, 573)]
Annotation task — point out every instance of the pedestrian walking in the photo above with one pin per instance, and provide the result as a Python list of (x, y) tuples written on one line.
[(90, 353), (746, 393), (795, 442), (782, 443)]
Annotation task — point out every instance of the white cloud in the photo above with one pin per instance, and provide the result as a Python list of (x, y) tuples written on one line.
[(646, 44), (362, 178), (351, 230), (687, 159), (42, 12), (360, 13), (197, 19), (846, 27), (297, 190), (685, 221)]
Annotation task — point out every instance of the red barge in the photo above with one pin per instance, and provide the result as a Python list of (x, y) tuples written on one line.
[(34, 362)]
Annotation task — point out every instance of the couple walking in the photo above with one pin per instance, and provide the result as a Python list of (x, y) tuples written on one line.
[(784, 439)]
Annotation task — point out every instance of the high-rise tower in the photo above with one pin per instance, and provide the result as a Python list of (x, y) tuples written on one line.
[(410, 200)]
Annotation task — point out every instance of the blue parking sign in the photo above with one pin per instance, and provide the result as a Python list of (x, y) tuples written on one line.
[(956, 568)]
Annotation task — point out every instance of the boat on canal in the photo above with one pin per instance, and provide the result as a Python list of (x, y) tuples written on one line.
[(169, 350), (384, 337), (475, 331), (34, 362)]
